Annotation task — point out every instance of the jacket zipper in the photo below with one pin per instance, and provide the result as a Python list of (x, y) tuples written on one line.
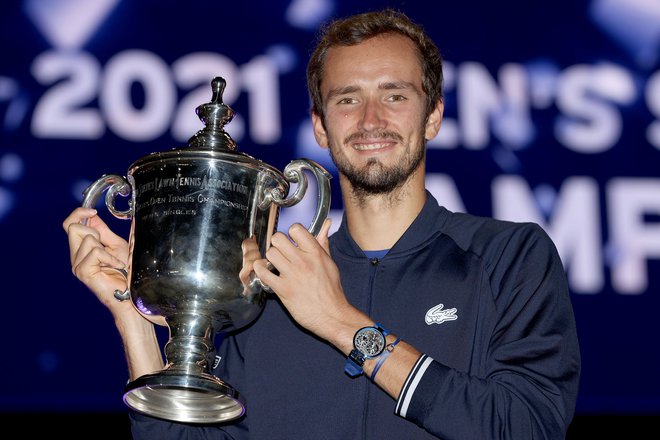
[(372, 276)]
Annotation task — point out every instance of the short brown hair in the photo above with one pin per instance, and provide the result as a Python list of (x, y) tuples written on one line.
[(357, 28)]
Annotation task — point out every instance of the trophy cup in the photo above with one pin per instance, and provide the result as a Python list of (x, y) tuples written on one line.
[(200, 215)]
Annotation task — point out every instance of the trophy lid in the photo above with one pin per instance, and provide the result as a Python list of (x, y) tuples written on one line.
[(211, 142), (214, 115)]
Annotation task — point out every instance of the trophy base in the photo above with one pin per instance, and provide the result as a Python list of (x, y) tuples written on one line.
[(184, 398)]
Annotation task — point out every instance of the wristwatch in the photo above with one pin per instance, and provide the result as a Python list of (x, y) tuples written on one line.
[(368, 343)]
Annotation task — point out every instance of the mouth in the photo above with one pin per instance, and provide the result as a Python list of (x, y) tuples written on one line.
[(373, 142), (372, 146)]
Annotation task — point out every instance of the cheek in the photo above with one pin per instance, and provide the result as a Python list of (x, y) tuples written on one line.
[(339, 123)]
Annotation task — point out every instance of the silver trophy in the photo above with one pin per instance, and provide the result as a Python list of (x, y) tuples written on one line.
[(200, 216)]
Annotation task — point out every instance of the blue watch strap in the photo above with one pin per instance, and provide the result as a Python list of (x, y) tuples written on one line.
[(352, 368), (382, 329)]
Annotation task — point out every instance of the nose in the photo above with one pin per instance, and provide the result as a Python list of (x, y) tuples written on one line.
[(373, 116)]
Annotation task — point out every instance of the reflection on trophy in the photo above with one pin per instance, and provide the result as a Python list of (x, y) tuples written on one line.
[(200, 216)]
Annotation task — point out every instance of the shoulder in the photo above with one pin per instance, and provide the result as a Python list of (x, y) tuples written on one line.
[(482, 234), (504, 247)]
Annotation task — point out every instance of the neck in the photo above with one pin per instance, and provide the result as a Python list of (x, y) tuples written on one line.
[(376, 222)]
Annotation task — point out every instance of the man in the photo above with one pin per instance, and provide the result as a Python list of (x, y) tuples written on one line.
[(480, 339)]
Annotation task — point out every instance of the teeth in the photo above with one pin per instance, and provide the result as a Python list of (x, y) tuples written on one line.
[(366, 147)]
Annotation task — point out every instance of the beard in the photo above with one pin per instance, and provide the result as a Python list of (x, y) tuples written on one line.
[(374, 178)]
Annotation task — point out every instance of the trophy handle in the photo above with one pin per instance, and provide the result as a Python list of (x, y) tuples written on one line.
[(115, 184), (294, 172)]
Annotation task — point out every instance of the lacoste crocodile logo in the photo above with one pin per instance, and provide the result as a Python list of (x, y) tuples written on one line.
[(437, 315)]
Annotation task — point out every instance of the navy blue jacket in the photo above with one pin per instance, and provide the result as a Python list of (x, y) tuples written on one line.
[(485, 300)]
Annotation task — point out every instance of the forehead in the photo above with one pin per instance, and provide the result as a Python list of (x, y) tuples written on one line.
[(389, 57)]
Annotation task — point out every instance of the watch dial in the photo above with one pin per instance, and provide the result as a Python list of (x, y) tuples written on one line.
[(369, 341)]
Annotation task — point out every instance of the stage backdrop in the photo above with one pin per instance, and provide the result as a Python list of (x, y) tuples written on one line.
[(552, 116)]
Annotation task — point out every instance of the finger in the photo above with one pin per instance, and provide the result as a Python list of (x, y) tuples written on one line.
[(77, 216), (77, 234), (250, 249), (116, 245), (245, 272), (266, 276), (323, 235), (93, 271), (90, 245), (250, 255), (303, 238), (284, 244), (277, 259), (94, 260), (76, 231)]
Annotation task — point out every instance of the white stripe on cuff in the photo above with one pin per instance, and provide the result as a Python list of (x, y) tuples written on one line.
[(411, 384)]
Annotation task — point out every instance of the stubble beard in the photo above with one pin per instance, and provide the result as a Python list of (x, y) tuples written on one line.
[(374, 179)]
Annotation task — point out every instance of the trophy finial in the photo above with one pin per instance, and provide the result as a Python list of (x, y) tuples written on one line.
[(218, 87), (214, 115)]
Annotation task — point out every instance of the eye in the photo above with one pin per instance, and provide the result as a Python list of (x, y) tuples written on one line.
[(396, 98), (347, 100)]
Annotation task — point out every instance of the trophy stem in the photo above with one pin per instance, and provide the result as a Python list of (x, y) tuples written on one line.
[(186, 390), (190, 348)]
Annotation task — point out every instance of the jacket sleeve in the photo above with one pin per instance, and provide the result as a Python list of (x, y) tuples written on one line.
[(145, 427), (532, 366)]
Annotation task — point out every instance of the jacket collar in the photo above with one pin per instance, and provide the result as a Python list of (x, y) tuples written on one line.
[(423, 228)]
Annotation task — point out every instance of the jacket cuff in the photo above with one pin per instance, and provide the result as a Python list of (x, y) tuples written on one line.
[(410, 385)]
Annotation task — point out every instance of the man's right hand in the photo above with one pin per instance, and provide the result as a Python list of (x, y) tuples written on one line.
[(96, 253)]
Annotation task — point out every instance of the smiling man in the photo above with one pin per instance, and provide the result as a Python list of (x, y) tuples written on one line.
[(411, 321)]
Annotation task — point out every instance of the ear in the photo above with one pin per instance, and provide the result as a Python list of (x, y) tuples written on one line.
[(319, 131), (434, 121)]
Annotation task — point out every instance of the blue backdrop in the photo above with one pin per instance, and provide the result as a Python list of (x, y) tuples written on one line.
[(552, 115)]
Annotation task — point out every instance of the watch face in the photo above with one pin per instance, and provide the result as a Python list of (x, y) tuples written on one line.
[(369, 341)]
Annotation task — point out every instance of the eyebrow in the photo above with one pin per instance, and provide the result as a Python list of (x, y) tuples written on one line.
[(390, 85)]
